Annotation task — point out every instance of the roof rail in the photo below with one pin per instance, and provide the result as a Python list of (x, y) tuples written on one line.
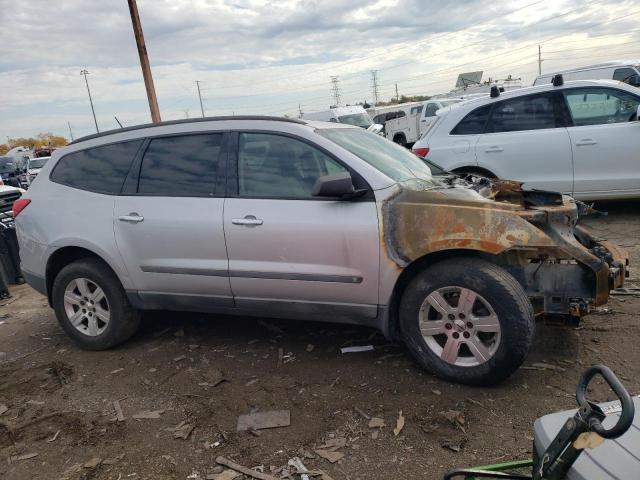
[(188, 120)]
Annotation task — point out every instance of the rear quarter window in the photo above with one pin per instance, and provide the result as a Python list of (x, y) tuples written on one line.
[(100, 169), (473, 123)]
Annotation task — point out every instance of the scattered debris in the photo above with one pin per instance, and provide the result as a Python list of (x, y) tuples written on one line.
[(251, 382), (451, 445), (435, 391), (362, 413), (19, 458), (333, 444), (399, 424), (224, 475), (53, 439), (331, 456), (455, 417), (3, 408), (147, 414), (118, 409), (182, 430), (169, 459), (357, 349), (310, 349), (376, 422), (547, 366), (247, 471), (213, 378), (117, 370), (260, 420), (93, 463), (300, 467), (180, 358)]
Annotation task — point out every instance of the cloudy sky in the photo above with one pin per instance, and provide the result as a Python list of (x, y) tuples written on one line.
[(270, 56)]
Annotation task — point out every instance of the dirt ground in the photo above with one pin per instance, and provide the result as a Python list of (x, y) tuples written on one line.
[(61, 422)]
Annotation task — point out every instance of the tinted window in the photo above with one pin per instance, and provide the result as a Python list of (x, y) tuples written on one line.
[(473, 123), (431, 109), (596, 106), (280, 167), (99, 169), (532, 112), (627, 75), (182, 165), (416, 110)]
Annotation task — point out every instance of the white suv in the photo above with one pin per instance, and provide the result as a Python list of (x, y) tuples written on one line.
[(580, 138)]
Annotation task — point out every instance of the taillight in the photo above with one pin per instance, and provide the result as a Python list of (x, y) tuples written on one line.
[(421, 152), (20, 205)]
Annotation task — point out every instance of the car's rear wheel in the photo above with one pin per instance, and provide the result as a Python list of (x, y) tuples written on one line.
[(91, 305), (467, 321)]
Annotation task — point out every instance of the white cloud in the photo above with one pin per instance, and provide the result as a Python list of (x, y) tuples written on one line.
[(255, 56)]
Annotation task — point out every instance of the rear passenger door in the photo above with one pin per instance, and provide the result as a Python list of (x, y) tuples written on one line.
[(290, 253), (168, 222), (525, 140), (605, 135)]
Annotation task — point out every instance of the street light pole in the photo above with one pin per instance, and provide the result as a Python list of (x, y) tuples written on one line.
[(200, 97), (85, 73)]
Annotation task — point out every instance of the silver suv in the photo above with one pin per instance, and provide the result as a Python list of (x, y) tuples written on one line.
[(315, 221)]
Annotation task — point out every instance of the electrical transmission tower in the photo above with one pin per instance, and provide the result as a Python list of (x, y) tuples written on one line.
[(335, 90), (374, 86)]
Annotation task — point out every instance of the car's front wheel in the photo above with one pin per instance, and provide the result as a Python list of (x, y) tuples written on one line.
[(467, 321), (91, 305)]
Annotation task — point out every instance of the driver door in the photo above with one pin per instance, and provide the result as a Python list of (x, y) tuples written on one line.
[(605, 138)]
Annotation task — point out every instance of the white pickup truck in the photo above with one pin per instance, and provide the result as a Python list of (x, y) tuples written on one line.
[(407, 130)]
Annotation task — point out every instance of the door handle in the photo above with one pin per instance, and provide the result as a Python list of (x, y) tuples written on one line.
[(494, 149), (133, 217), (249, 221), (586, 141)]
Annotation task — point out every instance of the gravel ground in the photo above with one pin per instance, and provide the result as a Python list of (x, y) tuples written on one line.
[(205, 371)]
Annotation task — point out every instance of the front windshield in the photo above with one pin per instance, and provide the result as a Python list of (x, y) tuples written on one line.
[(393, 160), (37, 162), (7, 165), (356, 119)]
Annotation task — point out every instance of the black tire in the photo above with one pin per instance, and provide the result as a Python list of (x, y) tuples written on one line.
[(502, 292), (400, 140), (124, 319)]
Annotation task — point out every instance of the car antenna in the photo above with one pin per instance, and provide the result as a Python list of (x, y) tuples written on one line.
[(495, 92)]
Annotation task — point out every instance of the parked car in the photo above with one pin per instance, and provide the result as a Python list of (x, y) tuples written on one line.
[(580, 138), (9, 170), (320, 221), (627, 71), (33, 167), (406, 130), (351, 115)]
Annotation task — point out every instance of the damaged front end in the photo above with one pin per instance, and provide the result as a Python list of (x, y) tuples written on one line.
[(535, 235)]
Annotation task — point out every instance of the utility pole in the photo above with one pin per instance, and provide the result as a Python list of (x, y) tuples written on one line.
[(70, 132), (335, 90), (200, 97), (299, 111), (144, 61), (374, 86), (539, 59), (397, 96), (85, 73)]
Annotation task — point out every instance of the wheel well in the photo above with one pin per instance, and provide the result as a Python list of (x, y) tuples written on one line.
[(477, 170), (63, 257), (399, 136), (412, 270)]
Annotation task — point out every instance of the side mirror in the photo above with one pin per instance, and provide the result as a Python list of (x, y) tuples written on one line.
[(338, 185)]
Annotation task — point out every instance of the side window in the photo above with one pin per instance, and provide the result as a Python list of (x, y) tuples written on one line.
[(181, 165), (415, 110), (473, 123), (532, 112), (280, 167), (597, 106), (626, 75), (431, 109), (98, 169)]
